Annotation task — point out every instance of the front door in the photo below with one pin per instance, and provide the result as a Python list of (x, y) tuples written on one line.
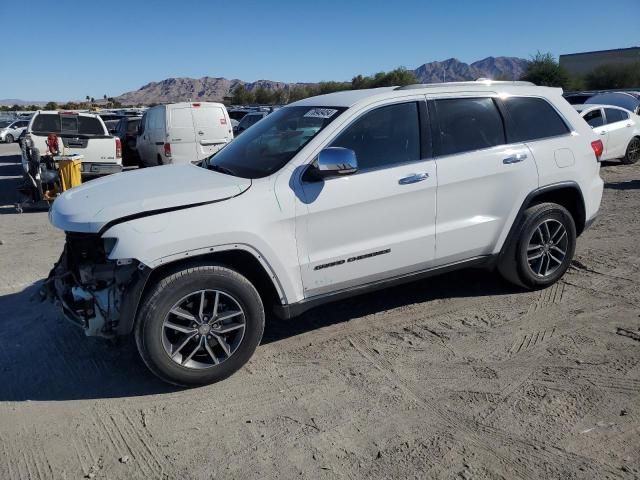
[(376, 223)]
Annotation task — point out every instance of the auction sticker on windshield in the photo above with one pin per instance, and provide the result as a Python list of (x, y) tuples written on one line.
[(321, 112)]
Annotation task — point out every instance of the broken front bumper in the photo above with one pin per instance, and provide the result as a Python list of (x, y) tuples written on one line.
[(89, 288)]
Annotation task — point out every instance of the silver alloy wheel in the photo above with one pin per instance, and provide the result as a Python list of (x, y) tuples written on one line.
[(203, 329), (547, 247), (633, 152)]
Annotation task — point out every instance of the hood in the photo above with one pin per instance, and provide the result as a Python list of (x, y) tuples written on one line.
[(91, 206)]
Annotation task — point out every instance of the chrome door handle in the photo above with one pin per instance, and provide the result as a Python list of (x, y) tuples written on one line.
[(200, 132), (414, 178), (518, 157)]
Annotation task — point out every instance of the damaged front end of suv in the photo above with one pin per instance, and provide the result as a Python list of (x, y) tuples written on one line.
[(90, 289)]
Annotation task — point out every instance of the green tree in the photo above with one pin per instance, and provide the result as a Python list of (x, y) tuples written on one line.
[(298, 93), (280, 96), (51, 106), (614, 76), (400, 76), (263, 96), (543, 69), (242, 96)]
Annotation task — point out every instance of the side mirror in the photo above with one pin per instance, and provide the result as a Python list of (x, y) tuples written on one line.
[(336, 161)]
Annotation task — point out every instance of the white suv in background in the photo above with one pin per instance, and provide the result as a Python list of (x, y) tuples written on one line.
[(182, 132), (327, 197)]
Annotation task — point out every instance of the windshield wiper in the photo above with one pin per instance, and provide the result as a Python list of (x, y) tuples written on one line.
[(221, 169)]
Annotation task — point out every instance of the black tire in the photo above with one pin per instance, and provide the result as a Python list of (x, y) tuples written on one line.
[(8, 138), (160, 161), (515, 264), (162, 297), (632, 155)]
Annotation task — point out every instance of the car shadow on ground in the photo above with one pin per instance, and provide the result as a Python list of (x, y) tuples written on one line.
[(458, 284), (626, 185), (43, 357)]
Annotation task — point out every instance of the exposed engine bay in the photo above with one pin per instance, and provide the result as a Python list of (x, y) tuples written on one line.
[(88, 286)]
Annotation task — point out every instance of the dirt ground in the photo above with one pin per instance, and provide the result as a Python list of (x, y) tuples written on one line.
[(459, 376)]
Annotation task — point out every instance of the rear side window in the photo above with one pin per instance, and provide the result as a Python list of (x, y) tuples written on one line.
[(384, 137), (467, 124), (46, 122), (614, 115), (594, 118), (533, 119)]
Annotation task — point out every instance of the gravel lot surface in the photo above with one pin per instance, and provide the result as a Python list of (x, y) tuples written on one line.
[(459, 376)]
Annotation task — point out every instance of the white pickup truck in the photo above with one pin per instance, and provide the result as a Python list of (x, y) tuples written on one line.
[(78, 133)]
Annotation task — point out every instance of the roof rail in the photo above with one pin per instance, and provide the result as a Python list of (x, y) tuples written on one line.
[(485, 81)]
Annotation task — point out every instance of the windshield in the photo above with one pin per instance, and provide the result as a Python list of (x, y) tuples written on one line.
[(271, 143)]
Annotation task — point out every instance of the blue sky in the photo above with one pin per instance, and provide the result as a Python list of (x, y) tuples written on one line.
[(96, 48)]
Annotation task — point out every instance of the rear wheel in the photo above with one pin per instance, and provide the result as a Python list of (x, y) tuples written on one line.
[(8, 138), (543, 247), (199, 325), (632, 154)]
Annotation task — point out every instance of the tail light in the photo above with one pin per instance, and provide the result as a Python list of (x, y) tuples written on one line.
[(118, 148), (598, 148), (167, 149)]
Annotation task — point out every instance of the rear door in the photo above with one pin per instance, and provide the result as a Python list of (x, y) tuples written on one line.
[(619, 131), (212, 127), (595, 118), (482, 180), (181, 134)]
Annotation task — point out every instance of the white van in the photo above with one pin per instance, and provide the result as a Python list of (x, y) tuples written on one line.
[(183, 132)]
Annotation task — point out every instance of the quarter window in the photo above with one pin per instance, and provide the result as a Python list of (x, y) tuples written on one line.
[(615, 115), (533, 119), (594, 118), (467, 124), (384, 137)]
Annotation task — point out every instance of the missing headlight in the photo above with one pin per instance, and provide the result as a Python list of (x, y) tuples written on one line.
[(109, 245)]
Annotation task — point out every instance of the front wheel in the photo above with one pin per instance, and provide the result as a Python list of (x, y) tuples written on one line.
[(632, 155), (199, 325), (542, 247), (8, 138)]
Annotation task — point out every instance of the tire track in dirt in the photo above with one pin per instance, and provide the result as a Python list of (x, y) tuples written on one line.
[(448, 418), (549, 296)]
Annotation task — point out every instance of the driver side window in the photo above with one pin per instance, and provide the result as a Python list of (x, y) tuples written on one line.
[(384, 137)]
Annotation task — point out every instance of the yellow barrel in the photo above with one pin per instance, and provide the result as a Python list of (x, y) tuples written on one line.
[(70, 173)]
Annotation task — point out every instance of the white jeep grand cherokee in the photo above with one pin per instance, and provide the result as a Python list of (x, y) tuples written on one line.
[(328, 197)]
